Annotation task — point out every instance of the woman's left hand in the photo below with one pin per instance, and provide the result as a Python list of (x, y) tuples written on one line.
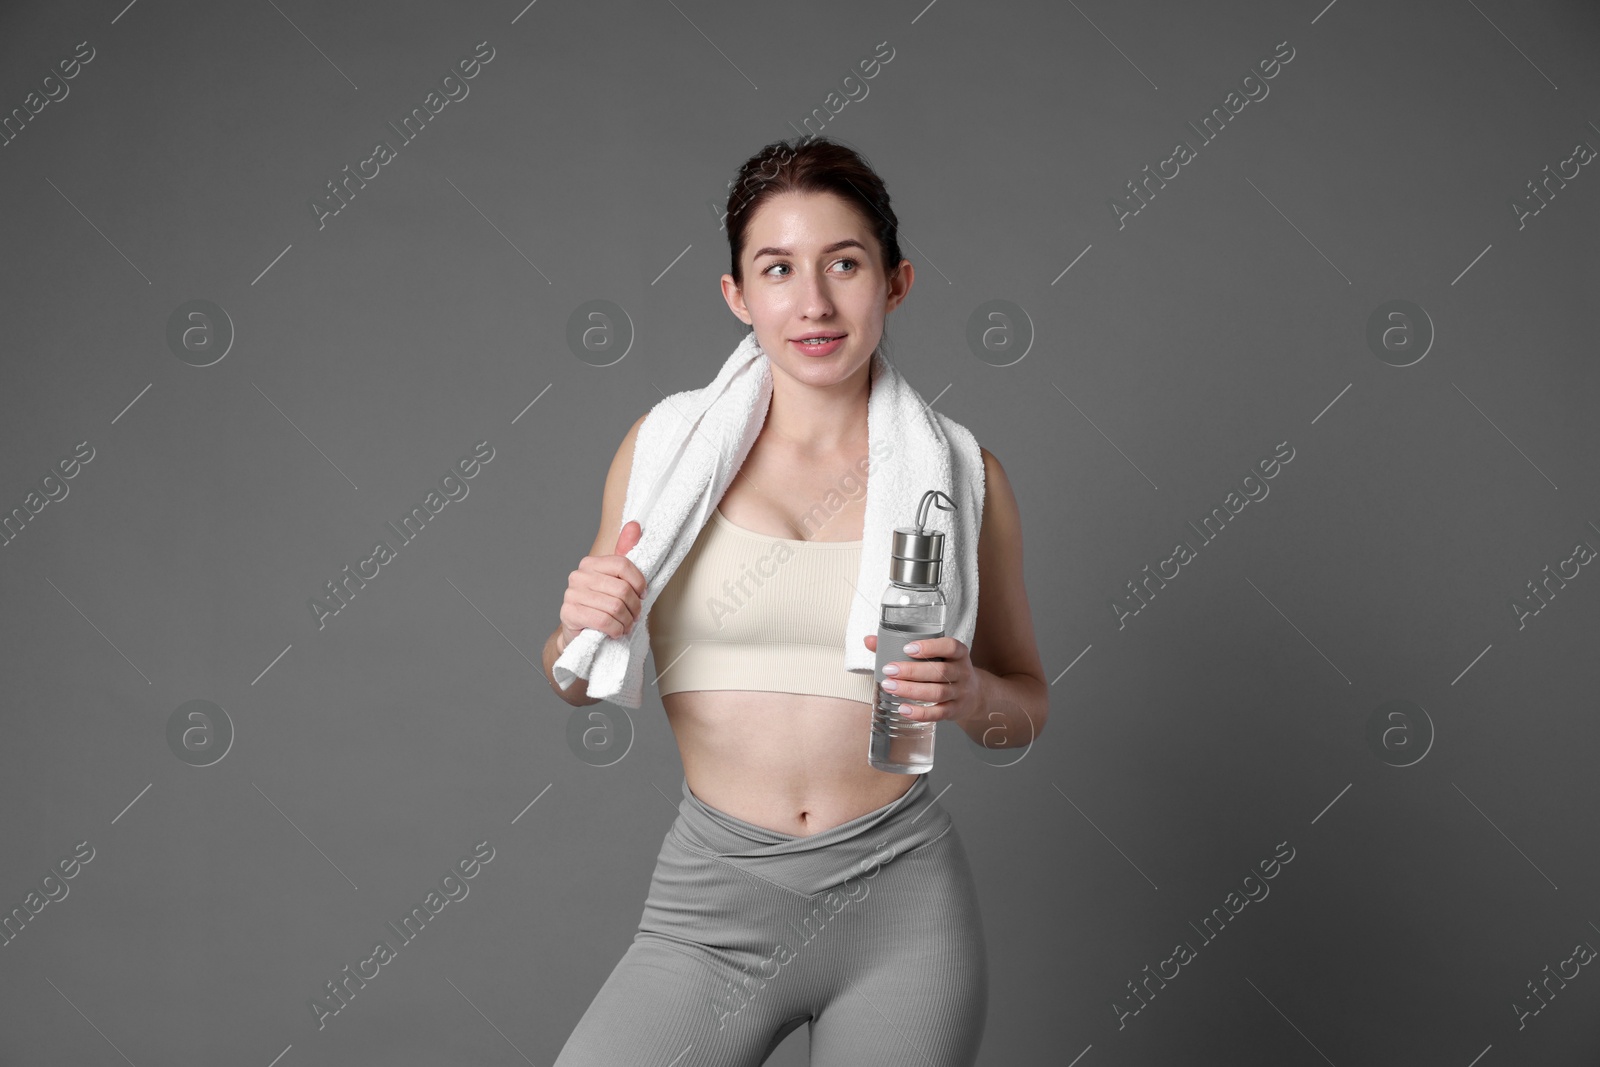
[(940, 669)]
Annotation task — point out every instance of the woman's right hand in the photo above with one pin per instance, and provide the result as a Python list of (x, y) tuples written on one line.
[(605, 593)]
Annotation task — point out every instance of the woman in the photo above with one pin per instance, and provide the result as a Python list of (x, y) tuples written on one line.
[(799, 883)]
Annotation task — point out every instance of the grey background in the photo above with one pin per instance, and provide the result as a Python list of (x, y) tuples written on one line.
[(368, 356)]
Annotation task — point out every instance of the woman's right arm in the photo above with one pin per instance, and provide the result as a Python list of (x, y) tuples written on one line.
[(606, 591)]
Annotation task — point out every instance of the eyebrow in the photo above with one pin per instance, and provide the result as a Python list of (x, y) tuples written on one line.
[(848, 242)]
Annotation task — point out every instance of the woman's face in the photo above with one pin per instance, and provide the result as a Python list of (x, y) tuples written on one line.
[(813, 266)]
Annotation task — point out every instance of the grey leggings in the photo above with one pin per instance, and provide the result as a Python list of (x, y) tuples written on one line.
[(869, 931)]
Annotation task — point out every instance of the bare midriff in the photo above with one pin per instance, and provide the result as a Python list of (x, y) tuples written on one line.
[(789, 762), (795, 763)]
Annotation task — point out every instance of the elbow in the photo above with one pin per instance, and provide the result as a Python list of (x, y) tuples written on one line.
[(1039, 707), (1018, 719)]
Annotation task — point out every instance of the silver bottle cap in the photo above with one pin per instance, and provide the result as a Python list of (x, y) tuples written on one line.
[(917, 553)]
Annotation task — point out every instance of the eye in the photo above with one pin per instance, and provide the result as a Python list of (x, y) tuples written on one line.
[(855, 266)]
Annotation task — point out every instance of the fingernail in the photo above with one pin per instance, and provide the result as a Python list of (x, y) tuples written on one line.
[(891, 684), (912, 648), (891, 668)]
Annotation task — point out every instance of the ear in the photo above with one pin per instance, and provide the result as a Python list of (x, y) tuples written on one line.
[(735, 299)]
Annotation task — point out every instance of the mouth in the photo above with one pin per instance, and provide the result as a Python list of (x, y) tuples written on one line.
[(818, 342)]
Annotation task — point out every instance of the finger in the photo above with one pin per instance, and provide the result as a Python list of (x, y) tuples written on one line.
[(618, 576), (926, 713), (914, 671), (612, 585), (926, 674), (628, 536), (634, 576), (936, 648), (598, 612), (930, 713), (914, 689), (621, 568), (601, 617)]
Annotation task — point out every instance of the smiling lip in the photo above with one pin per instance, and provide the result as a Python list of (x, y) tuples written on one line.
[(824, 349)]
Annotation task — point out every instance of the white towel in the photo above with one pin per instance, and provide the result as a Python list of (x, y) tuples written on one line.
[(693, 443)]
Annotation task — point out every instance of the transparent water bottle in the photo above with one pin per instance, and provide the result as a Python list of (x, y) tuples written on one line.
[(912, 609)]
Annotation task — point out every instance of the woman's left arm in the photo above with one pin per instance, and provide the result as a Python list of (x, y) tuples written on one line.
[(996, 689)]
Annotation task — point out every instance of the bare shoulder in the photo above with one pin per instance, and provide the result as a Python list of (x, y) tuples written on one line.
[(1000, 532), (1004, 640), (997, 493)]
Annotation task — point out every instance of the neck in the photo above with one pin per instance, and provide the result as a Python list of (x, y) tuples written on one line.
[(819, 419)]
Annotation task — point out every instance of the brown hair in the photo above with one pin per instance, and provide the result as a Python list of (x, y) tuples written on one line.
[(810, 164)]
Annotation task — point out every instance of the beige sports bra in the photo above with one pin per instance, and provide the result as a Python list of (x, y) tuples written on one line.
[(747, 610)]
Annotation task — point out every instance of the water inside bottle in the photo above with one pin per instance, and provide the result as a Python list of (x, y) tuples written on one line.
[(899, 744)]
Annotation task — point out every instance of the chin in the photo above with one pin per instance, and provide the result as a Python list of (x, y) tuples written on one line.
[(823, 372)]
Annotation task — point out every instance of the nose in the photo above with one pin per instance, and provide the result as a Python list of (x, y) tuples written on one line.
[(815, 302)]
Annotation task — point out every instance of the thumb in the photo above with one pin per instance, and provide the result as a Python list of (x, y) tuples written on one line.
[(628, 536)]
